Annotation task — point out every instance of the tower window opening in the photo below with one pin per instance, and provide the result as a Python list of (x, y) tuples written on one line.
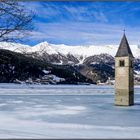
[(131, 64), (121, 63)]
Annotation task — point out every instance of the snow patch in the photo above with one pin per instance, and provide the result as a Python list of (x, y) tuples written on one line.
[(46, 71)]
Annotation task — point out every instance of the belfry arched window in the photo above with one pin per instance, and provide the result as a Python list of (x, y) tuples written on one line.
[(121, 63)]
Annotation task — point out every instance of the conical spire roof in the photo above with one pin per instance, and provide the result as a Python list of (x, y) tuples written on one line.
[(124, 49)]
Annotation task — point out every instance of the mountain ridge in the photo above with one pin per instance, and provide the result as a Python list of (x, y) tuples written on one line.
[(77, 51), (93, 62)]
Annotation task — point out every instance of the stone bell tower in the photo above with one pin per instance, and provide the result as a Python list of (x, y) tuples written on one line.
[(124, 81)]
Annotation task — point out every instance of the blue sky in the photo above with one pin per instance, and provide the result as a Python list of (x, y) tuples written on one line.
[(84, 23)]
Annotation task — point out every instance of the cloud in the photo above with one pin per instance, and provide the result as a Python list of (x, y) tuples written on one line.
[(83, 33), (63, 11), (76, 23), (100, 16)]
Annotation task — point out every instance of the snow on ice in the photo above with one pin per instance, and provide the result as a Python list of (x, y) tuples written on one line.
[(66, 111)]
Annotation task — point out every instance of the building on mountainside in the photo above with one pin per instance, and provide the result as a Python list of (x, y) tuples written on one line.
[(124, 80), (108, 82)]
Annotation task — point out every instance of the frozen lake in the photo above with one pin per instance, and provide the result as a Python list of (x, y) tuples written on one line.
[(68, 111)]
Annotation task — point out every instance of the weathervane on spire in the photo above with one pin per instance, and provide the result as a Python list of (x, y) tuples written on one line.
[(124, 30)]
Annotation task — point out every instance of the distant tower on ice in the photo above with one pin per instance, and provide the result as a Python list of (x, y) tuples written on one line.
[(124, 81)]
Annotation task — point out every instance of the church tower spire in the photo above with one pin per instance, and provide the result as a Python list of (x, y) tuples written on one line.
[(124, 49), (124, 83)]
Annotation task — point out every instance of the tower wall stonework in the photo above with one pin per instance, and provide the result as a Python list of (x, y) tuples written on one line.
[(124, 83)]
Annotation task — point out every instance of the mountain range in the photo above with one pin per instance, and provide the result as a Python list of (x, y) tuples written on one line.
[(77, 51), (94, 62)]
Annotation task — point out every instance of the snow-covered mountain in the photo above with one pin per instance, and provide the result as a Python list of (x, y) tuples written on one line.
[(98, 61), (65, 54), (65, 49)]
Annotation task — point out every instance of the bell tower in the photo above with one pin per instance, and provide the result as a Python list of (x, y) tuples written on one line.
[(124, 81)]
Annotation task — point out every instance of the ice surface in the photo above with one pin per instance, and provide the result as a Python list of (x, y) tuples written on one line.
[(68, 111)]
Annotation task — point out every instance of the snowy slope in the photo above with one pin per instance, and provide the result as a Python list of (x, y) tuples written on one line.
[(77, 51), (14, 47)]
